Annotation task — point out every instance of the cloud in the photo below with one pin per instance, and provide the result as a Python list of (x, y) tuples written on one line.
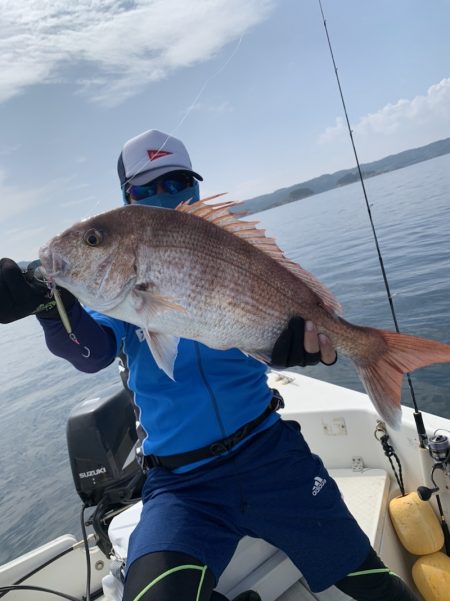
[(220, 107), (15, 201), (8, 150), (404, 123), (19, 238), (29, 216), (19, 200), (91, 199), (121, 44)]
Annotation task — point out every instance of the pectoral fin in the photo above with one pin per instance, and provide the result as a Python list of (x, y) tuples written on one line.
[(164, 349), (146, 301), (264, 358)]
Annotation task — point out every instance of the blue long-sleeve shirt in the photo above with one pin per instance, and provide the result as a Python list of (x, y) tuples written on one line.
[(96, 347), (214, 392)]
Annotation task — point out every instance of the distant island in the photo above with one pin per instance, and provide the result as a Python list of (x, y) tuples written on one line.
[(345, 177)]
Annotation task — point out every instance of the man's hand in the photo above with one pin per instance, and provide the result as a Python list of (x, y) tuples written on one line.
[(20, 297), (319, 343), (300, 344)]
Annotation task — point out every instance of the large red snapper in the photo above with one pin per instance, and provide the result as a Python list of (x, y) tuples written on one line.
[(198, 272)]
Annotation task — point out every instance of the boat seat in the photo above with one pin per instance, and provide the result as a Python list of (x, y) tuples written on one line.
[(258, 565), (366, 495)]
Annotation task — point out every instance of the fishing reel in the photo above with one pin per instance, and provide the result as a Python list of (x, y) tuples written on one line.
[(439, 448)]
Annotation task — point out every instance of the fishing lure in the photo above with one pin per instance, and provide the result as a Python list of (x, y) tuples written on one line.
[(32, 271)]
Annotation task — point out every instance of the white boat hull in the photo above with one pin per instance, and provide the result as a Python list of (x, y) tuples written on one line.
[(339, 425)]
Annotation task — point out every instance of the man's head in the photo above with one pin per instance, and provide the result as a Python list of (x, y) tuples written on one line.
[(154, 168)]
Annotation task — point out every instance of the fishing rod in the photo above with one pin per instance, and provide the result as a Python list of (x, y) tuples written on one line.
[(440, 463), (417, 413), (433, 445)]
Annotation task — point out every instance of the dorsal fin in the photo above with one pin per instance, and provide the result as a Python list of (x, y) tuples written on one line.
[(220, 215)]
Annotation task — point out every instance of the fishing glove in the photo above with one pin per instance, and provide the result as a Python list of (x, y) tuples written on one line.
[(22, 295), (289, 349)]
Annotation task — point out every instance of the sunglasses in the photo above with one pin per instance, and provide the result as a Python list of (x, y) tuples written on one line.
[(172, 183)]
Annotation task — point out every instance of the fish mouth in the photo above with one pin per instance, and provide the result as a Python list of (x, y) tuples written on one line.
[(53, 265)]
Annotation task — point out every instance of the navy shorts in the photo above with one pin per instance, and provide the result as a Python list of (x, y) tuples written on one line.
[(272, 488)]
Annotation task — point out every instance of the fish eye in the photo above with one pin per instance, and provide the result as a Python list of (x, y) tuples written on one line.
[(93, 237)]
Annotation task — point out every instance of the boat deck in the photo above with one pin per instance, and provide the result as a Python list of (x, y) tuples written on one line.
[(339, 425)]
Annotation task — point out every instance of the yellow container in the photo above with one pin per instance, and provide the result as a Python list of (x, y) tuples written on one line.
[(431, 575), (416, 525)]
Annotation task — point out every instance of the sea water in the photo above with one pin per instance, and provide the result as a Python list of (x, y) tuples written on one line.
[(329, 234)]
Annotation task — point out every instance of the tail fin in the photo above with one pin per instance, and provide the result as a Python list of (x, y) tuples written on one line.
[(382, 378)]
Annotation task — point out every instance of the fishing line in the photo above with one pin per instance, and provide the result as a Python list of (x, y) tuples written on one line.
[(192, 105), (417, 414), (423, 438), (203, 87), (190, 108)]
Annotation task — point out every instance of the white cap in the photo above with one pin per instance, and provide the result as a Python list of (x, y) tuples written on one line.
[(151, 154)]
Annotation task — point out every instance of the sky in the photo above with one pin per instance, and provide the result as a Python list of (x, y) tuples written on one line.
[(248, 85)]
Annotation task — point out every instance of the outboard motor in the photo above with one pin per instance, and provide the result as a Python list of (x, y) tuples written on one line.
[(102, 442)]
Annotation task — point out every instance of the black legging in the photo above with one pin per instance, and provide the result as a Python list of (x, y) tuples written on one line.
[(169, 576), (372, 581)]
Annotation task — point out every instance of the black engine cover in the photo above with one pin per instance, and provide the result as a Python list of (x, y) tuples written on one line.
[(101, 439)]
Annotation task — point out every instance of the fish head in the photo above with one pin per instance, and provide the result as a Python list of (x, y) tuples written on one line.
[(94, 259)]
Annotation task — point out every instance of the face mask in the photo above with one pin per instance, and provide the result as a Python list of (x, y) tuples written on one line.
[(170, 201)]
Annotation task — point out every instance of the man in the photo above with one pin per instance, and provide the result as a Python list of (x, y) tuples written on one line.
[(220, 462)]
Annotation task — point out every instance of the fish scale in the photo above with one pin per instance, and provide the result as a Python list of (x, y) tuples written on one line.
[(199, 272)]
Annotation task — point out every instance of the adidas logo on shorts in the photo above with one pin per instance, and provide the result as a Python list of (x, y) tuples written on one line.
[(319, 483)]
